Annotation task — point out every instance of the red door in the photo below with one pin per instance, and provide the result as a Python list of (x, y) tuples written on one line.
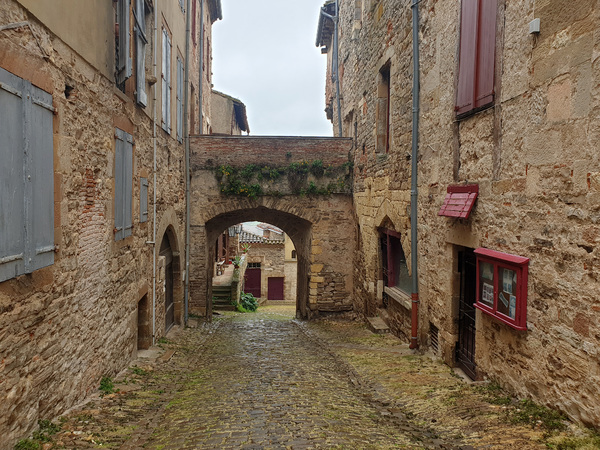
[(252, 279), (275, 288)]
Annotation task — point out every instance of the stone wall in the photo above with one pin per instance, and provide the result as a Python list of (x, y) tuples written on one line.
[(533, 155), (320, 226), (271, 258), (65, 326)]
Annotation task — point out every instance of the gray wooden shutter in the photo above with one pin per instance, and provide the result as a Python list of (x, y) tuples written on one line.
[(12, 214), (41, 176), (166, 55), (119, 182), (124, 68), (168, 77), (140, 52), (128, 186), (179, 100), (143, 200)]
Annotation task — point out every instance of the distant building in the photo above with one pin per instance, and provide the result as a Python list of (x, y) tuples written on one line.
[(228, 115)]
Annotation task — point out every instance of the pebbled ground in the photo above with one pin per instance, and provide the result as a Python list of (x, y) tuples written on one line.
[(265, 381)]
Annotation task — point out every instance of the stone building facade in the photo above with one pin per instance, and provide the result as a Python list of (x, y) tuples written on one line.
[(228, 115), (92, 236), (511, 116)]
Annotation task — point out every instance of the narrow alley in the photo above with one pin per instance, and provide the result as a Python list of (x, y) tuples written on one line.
[(264, 380)]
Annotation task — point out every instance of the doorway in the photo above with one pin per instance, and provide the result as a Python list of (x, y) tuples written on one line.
[(167, 252), (275, 291), (144, 336), (252, 280), (465, 348)]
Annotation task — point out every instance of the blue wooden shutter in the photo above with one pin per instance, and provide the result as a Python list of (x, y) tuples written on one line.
[(41, 176), (119, 182), (179, 100), (128, 186), (143, 200), (124, 62), (168, 76), (166, 82), (140, 52), (12, 213)]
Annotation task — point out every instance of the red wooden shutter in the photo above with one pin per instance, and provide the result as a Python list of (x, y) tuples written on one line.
[(476, 63), (486, 52), (467, 59)]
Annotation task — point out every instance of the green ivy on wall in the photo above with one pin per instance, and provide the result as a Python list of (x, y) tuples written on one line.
[(250, 180)]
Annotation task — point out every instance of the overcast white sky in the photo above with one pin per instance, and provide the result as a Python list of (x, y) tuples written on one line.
[(264, 54)]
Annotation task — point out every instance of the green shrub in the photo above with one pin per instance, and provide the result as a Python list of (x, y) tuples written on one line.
[(106, 386), (248, 302)]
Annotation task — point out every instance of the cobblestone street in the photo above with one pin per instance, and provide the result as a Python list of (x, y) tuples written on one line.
[(265, 381)]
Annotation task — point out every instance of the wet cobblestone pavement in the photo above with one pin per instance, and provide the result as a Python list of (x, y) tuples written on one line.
[(263, 381)]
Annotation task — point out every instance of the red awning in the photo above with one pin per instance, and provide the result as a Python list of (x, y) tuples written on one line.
[(459, 201)]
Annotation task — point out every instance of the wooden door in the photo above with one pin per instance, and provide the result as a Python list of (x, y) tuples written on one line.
[(167, 252), (465, 349), (275, 285), (252, 278)]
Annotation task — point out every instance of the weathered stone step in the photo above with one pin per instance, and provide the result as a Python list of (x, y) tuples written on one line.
[(377, 325)]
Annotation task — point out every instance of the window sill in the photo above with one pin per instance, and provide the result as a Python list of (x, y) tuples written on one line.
[(401, 297)]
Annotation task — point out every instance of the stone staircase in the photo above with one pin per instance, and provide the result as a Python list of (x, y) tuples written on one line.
[(222, 298), (379, 324)]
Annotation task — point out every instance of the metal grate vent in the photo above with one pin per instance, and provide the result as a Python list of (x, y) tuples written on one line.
[(433, 337)]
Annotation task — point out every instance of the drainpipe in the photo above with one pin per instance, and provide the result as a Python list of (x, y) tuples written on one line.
[(414, 343), (186, 134), (335, 62), (154, 73)]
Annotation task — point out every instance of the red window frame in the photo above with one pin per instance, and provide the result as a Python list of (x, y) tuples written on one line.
[(508, 287), (477, 56)]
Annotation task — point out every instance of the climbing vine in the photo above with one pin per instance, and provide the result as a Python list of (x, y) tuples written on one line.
[(253, 180)]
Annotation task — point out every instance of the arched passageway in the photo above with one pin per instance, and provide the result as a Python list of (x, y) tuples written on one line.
[(299, 230), (300, 185)]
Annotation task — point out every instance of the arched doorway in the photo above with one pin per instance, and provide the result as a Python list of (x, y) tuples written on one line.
[(166, 251), (298, 229)]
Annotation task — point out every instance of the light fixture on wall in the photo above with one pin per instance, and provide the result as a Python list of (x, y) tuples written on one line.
[(235, 230)]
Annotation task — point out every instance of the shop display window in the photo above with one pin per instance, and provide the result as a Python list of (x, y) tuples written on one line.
[(502, 286)]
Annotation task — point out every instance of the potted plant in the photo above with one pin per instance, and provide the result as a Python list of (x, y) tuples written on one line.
[(245, 247), (236, 262)]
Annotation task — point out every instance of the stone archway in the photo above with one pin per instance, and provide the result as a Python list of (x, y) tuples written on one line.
[(298, 229), (314, 207)]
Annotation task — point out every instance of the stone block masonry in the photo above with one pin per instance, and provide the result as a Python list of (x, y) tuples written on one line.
[(533, 153), (320, 226), (65, 326)]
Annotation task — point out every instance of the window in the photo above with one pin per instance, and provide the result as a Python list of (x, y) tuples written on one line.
[(383, 110), (477, 56), (166, 82), (143, 200), (123, 184), (26, 177), (254, 265), (502, 286), (140, 51), (179, 99), (395, 270), (123, 57), (294, 255)]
